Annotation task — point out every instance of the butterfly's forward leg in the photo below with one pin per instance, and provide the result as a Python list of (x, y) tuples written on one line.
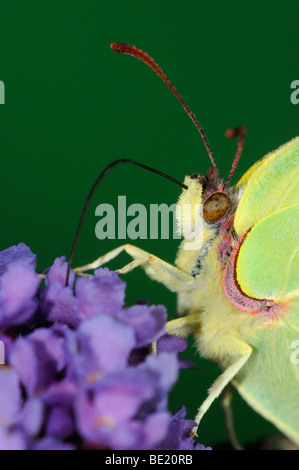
[(104, 259), (174, 278), (241, 349)]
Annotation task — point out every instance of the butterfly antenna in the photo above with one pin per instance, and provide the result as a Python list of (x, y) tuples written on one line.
[(139, 54), (92, 191), (240, 134)]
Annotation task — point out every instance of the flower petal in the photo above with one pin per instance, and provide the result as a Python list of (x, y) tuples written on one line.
[(10, 396), (102, 293), (148, 322), (18, 286), (12, 440), (99, 345), (58, 272), (15, 253)]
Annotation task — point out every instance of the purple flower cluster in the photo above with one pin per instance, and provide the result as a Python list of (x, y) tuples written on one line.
[(78, 372)]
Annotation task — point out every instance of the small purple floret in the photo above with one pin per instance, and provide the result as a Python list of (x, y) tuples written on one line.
[(78, 372)]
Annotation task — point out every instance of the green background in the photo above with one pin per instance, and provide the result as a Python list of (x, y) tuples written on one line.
[(73, 106)]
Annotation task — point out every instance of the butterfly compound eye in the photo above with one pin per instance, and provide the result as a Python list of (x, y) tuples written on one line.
[(215, 207)]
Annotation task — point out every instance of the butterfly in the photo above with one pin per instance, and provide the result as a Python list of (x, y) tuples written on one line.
[(238, 293)]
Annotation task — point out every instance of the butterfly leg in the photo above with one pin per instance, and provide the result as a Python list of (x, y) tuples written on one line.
[(110, 256), (227, 408), (183, 326), (223, 379), (172, 277)]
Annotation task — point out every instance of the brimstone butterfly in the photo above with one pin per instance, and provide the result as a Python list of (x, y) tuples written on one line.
[(239, 293)]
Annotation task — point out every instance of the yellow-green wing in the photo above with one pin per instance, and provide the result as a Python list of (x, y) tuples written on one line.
[(269, 382), (245, 178), (268, 268), (271, 184), (268, 262)]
